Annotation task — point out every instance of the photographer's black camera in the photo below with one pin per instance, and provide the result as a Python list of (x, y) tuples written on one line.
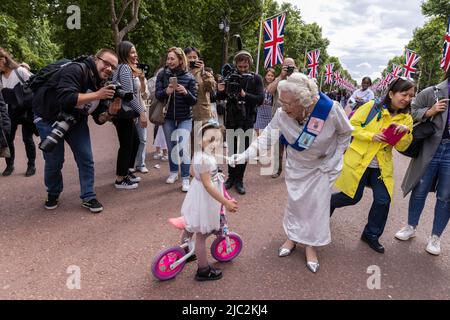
[(59, 129), (126, 96)]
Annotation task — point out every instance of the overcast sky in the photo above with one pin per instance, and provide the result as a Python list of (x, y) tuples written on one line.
[(364, 34)]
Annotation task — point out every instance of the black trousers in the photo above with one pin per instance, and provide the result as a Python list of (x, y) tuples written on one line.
[(28, 129), (128, 145), (379, 210), (237, 173)]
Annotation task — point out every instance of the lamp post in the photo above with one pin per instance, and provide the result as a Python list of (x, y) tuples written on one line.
[(225, 28)]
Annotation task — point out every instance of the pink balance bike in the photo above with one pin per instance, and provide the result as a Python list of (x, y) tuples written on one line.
[(170, 262)]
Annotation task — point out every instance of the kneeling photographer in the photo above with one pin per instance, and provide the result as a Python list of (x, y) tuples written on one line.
[(68, 97), (244, 91)]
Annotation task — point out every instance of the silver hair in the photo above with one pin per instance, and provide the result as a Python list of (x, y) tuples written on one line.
[(301, 86)]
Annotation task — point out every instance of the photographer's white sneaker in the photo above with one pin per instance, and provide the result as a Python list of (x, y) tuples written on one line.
[(172, 178), (185, 185), (406, 233), (434, 246)]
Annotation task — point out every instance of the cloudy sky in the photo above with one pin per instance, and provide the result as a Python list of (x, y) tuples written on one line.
[(364, 34)]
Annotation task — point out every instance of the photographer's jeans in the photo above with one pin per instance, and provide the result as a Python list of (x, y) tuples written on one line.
[(440, 166), (140, 156), (178, 137), (79, 141)]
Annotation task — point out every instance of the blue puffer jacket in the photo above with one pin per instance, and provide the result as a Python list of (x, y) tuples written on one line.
[(180, 106)]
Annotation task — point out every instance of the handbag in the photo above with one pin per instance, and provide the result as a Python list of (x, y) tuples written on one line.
[(157, 111), (421, 131)]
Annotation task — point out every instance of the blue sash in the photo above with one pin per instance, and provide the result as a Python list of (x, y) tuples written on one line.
[(314, 125)]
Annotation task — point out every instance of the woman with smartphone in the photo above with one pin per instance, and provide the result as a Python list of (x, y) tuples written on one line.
[(430, 171), (128, 75), (177, 86), (368, 161)]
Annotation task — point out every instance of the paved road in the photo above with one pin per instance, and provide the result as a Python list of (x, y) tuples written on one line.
[(114, 249)]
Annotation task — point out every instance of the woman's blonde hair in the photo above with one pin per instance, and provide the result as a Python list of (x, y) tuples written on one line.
[(301, 86), (181, 56)]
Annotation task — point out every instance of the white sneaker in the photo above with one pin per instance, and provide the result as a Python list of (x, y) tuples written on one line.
[(165, 158), (142, 169), (185, 185), (172, 178), (434, 246), (157, 156), (406, 233)]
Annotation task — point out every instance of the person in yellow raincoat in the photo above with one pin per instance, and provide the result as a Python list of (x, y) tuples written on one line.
[(368, 161)]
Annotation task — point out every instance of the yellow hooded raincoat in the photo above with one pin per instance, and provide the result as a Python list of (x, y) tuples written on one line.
[(362, 149)]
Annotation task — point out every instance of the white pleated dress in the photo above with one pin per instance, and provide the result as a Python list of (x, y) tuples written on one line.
[(310, 174), (200, 210)]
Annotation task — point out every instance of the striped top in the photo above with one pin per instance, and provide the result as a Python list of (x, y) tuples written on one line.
[(125, 76)]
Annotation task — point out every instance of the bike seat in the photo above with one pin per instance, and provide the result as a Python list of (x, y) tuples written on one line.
[(178, 223)]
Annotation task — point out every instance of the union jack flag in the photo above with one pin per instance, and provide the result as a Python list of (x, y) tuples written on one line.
[(337, 78), (274, 41), (329, 73), (445, 63), (412, 59), (396, 71), (387, 80), (313, 62)]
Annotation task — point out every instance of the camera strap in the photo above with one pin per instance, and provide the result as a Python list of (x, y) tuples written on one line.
[(314, 125)]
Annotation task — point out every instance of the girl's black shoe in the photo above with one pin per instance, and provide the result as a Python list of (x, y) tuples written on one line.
[(208, 273)]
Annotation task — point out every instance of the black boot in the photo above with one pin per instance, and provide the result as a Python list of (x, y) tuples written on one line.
[(8, 171), (208, 273), (31, 171), (373, 243), (239, 187), (229, 183)]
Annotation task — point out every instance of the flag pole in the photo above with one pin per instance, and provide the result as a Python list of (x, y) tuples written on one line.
[(305, 70), (260, 37), (321, 80)]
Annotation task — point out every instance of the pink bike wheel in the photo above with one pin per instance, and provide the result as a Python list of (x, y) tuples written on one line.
[(219, 247), (161, 264)]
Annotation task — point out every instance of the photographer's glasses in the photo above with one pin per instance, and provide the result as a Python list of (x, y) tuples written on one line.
[(108, 64)]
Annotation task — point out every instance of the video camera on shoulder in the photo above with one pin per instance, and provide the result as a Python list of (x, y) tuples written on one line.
[(233, 79)]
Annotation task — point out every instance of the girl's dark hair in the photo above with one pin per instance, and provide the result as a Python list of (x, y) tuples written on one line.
[(368, 79), (267, 71), (398, 85), (123, 51), (191, 49), (10, 63)]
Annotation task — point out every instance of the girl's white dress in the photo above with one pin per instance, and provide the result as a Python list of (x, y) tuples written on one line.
[(200, 210)]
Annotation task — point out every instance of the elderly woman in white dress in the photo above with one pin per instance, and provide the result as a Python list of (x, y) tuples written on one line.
[(317, 132)]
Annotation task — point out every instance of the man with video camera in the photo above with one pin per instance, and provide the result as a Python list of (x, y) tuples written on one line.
[(69, 96), (244, 91)]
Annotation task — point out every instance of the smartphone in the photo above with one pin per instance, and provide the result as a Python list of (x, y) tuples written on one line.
[(144, 67), (391, 137), (192, 64), (173, 81)]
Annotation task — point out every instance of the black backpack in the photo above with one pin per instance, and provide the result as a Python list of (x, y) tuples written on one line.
[(43, 80)]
